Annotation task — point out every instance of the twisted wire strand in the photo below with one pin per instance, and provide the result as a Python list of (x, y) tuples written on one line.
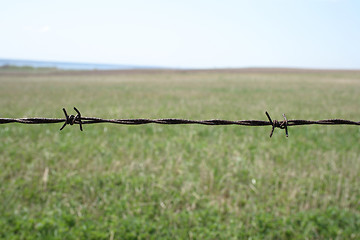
[(80, 120)]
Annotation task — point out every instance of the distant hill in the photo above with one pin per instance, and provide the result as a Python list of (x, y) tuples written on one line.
[(69, 65)]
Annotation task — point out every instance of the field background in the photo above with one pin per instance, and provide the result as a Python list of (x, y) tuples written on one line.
[(183, 181)]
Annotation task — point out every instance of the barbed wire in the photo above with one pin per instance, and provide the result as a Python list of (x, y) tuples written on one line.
[(80, 120)]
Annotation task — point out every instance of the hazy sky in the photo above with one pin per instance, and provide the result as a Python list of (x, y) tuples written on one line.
[(196, 34)]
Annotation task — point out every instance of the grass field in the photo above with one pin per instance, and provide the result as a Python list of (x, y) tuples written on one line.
[(183, 181)]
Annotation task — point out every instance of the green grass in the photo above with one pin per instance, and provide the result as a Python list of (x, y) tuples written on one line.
[(181, 181)]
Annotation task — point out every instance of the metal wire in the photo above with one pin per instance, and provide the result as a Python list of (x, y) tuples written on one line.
[(78, 119)]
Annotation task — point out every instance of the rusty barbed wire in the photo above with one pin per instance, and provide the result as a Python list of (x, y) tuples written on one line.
[(80, 120)]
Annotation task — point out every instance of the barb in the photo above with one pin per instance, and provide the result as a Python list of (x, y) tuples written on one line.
[(78, 119), (277, 124), (72, 119)]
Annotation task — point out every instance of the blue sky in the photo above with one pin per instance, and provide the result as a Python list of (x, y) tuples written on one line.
[(193, 34)]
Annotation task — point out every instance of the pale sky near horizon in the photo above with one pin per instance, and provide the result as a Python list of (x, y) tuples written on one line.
[(187, 34)]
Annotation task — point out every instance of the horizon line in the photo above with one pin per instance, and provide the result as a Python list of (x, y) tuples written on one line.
[(154, 67)]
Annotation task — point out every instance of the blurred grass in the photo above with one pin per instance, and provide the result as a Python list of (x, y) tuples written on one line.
[(176, 182)]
